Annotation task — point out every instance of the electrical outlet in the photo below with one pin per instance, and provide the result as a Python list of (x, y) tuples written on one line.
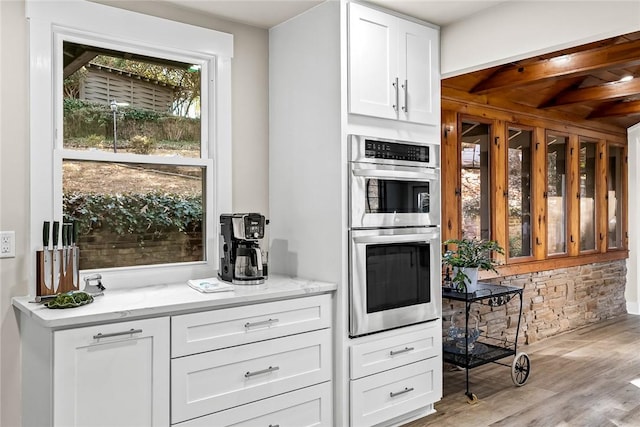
[(7, 244)]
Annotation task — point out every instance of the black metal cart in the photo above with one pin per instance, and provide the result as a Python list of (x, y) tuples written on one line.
[(465, 348)]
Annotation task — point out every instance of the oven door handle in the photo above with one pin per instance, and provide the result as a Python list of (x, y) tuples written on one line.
[(396, 174), (398, 238)]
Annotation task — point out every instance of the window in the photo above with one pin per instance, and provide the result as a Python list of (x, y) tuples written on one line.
[(137, 149), (547, 194), (129, 213), (587, 192), (474, 175), (614, 196), (556, 194), (519, 164)]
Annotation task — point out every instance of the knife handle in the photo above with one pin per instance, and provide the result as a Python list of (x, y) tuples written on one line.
[(74, 233), (65, 234), (46, 230), (56, 232), (69, 233)]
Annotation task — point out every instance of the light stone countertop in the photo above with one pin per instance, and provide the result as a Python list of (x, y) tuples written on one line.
[(162, 300)]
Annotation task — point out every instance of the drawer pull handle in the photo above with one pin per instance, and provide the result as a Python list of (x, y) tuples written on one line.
[(261, 323), (398, 393), (274, 425), (117, 334), (262, 371), (404, 350)]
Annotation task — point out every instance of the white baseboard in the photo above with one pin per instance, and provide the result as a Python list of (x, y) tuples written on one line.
[(633, 307)]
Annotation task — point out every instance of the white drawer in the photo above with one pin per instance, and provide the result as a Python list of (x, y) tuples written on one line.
[(210, 382), (212, 330), (392, 352), (310, 406), (393, 393)]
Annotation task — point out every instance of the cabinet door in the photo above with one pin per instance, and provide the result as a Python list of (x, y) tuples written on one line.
[(419, 70), (373, 75), (112, 375)]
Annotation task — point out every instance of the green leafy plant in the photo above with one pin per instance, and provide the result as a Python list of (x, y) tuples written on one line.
[(470, 253), (137, 214)]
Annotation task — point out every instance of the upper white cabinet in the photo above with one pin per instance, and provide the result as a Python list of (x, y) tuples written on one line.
[(393, 67)]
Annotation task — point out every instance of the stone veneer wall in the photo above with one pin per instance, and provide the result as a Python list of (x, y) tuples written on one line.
[(554, 301)]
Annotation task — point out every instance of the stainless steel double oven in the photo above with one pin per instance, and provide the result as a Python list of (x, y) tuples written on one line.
[(394, 234)]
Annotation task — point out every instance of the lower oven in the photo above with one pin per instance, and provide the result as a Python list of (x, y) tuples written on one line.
[(394, 278)]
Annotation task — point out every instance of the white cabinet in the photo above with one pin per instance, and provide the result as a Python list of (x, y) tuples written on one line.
[(393, 67), (213, 381), (394, 351), (263, 363), (307, 407), (396, 374), (216, 329), (331, 75), (241, 356), (388, 394), (112, 375)]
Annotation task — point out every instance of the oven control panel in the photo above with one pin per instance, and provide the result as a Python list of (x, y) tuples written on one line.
[(395, 151)]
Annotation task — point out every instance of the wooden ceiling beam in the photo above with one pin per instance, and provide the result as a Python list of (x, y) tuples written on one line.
[(579, 63), (78, 62), (476, 103), (616, 109), (603, 92)]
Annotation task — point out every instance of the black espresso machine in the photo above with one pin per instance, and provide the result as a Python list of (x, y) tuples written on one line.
[(241, 260)]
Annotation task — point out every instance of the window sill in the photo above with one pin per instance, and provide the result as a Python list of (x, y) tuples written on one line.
[(554, 263)]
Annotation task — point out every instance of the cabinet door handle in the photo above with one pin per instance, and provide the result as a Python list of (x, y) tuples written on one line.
[(261, 323), (395, 86), (405, 86), (262, 371), (274, 425), (404, 350), (117, 334), (398, 393)]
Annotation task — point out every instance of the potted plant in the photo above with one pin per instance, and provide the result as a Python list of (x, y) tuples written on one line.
[(467, 258)]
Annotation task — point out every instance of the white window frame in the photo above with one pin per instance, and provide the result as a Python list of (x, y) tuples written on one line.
[(51, 22)]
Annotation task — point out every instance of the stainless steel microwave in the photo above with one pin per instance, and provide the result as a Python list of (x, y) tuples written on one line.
[(393, 184)]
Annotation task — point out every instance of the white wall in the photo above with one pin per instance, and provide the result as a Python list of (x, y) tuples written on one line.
[(520, 29), (250, 153), (14, 197), (633, 285)]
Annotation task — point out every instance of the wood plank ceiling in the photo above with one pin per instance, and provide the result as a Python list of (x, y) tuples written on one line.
[(596, 84)]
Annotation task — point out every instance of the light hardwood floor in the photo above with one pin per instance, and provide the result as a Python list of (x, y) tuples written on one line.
[(589, 377)]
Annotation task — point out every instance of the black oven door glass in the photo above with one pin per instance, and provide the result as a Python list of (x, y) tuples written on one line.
[(397, 275), (391, 196)]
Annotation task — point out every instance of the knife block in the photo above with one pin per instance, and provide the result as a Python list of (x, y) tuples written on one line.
[(57, 271)]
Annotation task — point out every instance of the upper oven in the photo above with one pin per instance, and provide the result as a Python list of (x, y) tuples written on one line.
[(393, 183)]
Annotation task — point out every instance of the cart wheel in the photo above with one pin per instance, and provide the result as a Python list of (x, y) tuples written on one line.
[(472, 399), (520, 369)]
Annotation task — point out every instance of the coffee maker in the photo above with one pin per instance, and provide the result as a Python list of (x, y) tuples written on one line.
[(241, 261)]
